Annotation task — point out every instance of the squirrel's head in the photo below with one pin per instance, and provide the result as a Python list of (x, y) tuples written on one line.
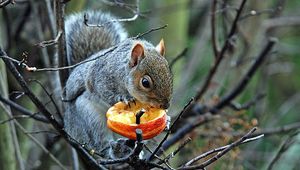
[(150, 79)]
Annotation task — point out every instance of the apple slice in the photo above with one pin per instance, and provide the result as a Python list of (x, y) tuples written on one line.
[(121, 119)]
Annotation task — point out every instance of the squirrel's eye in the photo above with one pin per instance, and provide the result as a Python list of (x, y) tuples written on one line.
[(146, 82)]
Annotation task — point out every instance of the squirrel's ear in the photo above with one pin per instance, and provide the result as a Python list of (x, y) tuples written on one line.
[(160, 48), (136, 53)]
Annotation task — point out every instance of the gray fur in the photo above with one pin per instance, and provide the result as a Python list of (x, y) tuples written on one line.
[(94, 86), (91, 39)]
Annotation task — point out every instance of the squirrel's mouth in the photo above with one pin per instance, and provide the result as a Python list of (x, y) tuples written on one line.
[(160, 105)]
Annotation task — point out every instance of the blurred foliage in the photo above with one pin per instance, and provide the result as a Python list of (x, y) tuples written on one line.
[(189, 26)]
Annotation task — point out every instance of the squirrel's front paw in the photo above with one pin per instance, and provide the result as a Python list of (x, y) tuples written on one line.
[(119, 149), (168, 123), (126, 99)]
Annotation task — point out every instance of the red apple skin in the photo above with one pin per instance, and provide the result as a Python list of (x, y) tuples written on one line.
[(150, 129)]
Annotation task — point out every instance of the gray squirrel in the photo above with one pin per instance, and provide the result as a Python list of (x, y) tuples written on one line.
[(121, 69)]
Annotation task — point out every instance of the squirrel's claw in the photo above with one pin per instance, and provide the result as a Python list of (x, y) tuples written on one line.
[(168, 123), (126, 99)]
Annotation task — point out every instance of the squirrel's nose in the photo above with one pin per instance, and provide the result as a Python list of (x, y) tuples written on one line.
[(165, 105)]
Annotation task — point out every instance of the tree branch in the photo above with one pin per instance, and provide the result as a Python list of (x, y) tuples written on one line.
[(221, 55)]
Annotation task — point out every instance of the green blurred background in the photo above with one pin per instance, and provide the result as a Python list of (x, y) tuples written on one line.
[(188, 27)]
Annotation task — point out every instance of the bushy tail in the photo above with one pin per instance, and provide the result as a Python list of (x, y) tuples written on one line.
[(83, 41)]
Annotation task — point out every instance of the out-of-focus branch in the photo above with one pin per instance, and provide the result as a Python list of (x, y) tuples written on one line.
[(246, 78), (284, 147), (249, 139), (180, 55), (170, 130), (282, 22), (50, 42), (57, 125), (221, 55), (266, 132), (34, 69), (35, 140), (213, 28), (149, 31), (136, 15), (221, 153), (49, 96), (172, 154), (275, 130), (4, 3), (205, 113), (24, 110), (62, 49), (245, 106)]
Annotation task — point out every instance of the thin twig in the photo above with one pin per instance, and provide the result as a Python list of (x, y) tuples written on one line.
[(21, 24), (221, 153), (15, 117), (275, 130), (34, 69), (49, 96), (242, 84), (169, 131), (138, 116), (35, 141), (39, 32), (245, 106), (182, 54), (256, 13), (8, 27), (15, 140), (221, 55), (51, 17), (42, 131), (219, 149), (4, 3), (24, 110), (44, 44), (133, 18), (203, 113), (86, 156), (284, 147), (62, 49), (149, 31), (213, 28), (172, 154)]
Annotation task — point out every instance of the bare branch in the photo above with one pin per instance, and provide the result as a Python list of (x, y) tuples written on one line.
[(6, 2), (44, 44), (35, 140), (284, 147), (172, 154), (282, 22), (221, 55), (180, 55), (24, 110), (238, 107), (49, 96), (221, 153), (256, 13), (242, 84), (219, 149), (57, 125), (213, 28), (169, 131), (136, 15), (149, 31), (203, 112), (34, 69), (15, 140), (62, 49)]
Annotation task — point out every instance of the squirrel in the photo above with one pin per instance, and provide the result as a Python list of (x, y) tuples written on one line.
[(118, 68)]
